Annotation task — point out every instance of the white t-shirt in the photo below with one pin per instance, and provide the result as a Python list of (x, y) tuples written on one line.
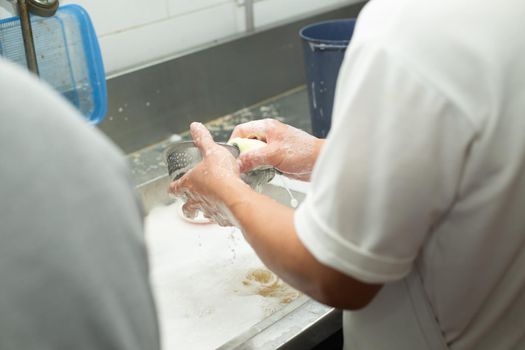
[(421, 183)]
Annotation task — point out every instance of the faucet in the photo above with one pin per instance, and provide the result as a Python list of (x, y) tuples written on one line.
[(43, 8)]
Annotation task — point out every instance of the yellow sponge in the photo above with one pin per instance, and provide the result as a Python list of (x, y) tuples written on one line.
[(246, 144)]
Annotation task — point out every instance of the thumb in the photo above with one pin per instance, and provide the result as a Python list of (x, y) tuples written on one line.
[(257, 157), (202, 137)]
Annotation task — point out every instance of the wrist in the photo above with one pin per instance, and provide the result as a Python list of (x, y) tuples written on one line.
[(232, 190)]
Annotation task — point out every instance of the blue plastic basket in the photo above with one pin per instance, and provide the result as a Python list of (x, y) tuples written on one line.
[(68, 57)]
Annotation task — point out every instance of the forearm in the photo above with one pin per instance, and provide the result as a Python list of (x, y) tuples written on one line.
[(269, 228)]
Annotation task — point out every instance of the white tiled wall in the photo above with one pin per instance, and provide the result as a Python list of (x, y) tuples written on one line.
[(137, 32), (270, 11)]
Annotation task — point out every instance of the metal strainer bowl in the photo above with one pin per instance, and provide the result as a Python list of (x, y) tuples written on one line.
[(184, 155)]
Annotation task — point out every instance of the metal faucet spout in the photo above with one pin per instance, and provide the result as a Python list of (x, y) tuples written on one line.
[(43, 8)]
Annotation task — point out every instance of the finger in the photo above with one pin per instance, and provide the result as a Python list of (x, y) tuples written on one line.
[(217, 218), (257, 157), (255, 129), (223, 223), (211, 215), (180, 186), (175, 188), (190, 209), (202, 137)]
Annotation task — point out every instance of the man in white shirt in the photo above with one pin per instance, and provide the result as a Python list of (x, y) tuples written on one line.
[(415, 212)]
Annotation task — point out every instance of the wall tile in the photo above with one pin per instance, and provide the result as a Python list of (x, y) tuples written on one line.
[(111, 16), (268, 12), (178, 7), (140, 46)]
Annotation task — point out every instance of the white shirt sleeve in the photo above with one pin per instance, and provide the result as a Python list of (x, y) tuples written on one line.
[(389, 170)]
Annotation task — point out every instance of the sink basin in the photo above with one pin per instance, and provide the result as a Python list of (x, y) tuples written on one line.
[(298, 323)]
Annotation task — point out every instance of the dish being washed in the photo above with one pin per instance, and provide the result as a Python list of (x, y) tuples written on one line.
[(199, 219), (184, 155)]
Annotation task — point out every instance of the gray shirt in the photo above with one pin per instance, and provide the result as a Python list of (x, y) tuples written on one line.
[(73, 265)]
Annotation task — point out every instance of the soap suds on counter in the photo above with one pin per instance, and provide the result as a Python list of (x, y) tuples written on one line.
[(209, 284)]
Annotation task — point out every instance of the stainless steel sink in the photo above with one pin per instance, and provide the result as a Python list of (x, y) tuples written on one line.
[(302, 324)]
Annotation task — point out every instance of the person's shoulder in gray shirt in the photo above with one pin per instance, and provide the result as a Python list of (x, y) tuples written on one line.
[(73, 265)]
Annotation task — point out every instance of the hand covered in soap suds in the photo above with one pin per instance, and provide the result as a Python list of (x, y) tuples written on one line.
[(289, 150), (205, 185)]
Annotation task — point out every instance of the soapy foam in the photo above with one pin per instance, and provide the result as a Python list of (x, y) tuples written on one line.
[(209, 284)]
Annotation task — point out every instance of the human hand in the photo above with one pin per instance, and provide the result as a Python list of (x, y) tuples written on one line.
[(205, 185), (291, 151)]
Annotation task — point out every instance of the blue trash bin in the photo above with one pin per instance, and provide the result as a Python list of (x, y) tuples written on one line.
[(324, 46)]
